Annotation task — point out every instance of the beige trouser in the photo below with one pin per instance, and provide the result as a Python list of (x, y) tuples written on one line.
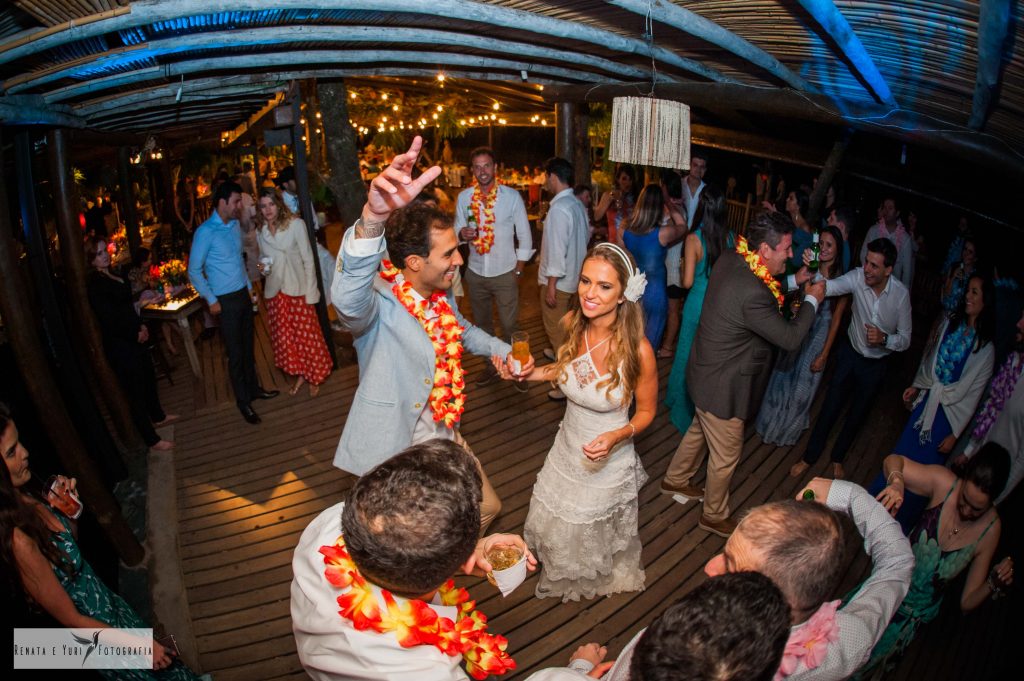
[(490, 504), (724, 437), (552, 316)]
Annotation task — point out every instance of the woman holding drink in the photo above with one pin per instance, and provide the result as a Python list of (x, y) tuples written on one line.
[(44, 567), (291, 292), (582, 521)]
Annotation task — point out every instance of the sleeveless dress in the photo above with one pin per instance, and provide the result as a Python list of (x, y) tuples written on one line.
[(650, 258), (677, 399), (934, 569), (93, 598), (786, 410), (582, 523)]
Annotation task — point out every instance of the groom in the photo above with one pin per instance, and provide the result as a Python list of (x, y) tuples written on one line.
[(408, 332)]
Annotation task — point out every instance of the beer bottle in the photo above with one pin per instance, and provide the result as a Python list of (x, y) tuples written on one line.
[(815, 251)]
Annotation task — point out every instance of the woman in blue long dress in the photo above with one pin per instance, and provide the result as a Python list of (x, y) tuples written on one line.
[(960, 528), (647, 236), (703, 246), (948, 386), (45, 568), (786, 409)]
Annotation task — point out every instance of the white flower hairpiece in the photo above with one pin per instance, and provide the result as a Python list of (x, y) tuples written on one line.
[(636, 284)]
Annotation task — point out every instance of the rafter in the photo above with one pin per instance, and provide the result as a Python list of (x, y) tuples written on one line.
[(696, 25), (851, 48), (993, 27), (270, 59), (147, 12)]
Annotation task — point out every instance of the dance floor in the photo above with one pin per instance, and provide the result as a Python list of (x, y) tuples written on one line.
[(244, 494)]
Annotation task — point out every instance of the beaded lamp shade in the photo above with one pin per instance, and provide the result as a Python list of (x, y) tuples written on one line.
[(650, 132)]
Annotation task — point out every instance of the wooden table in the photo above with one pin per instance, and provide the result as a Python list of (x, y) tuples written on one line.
[(179, 309)]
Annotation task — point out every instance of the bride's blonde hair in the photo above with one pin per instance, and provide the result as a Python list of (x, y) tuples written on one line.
[(627, 330)]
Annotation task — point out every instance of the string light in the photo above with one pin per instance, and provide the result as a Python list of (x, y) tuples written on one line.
[(351, 95), (318, 114), (440, 77), (384, 96), (496, 106)]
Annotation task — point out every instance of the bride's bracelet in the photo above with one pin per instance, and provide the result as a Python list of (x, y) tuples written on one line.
[(632, 428)]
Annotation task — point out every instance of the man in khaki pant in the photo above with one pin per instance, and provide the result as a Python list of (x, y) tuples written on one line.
[(564, 246), (731, 361)]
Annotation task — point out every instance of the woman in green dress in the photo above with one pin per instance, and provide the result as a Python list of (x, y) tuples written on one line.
[(702, 248), (44, 566), (959, 529)]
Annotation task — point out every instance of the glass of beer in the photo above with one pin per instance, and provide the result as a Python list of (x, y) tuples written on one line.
[(520, 351)]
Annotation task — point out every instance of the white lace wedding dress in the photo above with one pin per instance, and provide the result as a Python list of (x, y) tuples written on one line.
[(582, 522)]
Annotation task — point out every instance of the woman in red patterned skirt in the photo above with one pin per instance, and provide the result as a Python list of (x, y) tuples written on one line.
[(290, 289)]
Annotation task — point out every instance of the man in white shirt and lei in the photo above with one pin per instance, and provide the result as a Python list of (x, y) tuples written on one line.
[(372, 598)]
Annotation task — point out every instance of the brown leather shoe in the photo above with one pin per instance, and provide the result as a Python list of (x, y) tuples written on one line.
[(723, 528), (691, 492), (799, 468)]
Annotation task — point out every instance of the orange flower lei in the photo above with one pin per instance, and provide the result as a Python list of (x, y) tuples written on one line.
[(446, 399), (483, 207), (415, 623), (759, 269)]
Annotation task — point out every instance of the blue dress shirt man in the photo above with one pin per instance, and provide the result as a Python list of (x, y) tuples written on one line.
[(217, 272)]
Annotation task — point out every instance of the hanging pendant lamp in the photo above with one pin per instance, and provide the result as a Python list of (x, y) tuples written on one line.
[(650, 132)]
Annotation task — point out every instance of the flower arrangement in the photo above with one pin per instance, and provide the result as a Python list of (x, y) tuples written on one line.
[(414, 622), (446, 400), (170, 274)]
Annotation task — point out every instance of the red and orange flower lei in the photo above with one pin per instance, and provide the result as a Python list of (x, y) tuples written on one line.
[(483, 208), (759, 269), (414, 622), (446, 399)]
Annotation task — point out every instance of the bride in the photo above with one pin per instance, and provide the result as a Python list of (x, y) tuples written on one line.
[(582, 522)]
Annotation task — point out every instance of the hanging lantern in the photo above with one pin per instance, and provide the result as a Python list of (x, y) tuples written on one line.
[(650, 132)]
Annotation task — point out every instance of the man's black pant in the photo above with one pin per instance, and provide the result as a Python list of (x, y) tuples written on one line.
[(236, 328), (857, 377)]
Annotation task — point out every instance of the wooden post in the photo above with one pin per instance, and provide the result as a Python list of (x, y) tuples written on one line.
[(302, 180), (90, 344), (131, 219), (565, 115), (345, 181), (825, 177), (46, 396)]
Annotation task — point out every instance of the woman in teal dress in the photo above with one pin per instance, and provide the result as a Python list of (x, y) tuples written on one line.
[(703, 246), (647, 237), (960, 528), (44, 566)]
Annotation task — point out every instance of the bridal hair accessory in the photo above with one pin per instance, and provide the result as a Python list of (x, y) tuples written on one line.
[(636, 284)]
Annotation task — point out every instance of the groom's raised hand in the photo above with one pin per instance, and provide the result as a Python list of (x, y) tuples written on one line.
[(395, 186)]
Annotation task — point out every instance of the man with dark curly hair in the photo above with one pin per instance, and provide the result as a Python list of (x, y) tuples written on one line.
[(408, 332)]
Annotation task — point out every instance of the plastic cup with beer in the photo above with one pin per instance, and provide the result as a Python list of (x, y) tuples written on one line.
[(520, 351), (62, 497), (508, 567)]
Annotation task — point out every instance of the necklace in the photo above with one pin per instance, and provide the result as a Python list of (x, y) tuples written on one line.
[(414, 622), (482, 206), (446, 399), (759, 269)]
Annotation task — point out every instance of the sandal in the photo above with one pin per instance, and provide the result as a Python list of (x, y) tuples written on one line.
[(294, 390)]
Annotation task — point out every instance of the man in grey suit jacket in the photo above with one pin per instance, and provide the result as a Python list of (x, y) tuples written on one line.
[(731, 362), (391, 408)]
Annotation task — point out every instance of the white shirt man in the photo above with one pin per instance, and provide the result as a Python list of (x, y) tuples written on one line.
[(562, 250), (892, 229), (492, 277), (693, 185)]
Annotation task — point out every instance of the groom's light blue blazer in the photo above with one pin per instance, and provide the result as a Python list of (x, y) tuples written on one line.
[(396, 360)]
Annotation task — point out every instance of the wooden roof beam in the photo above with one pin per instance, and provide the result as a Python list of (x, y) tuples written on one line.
[(171, 99), (993, 28), (705, 29), (32, 110), (279, 35), (851, 48), (146, 12), (270, 59)]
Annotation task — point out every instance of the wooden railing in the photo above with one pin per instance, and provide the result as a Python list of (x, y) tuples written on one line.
[(738, 214)]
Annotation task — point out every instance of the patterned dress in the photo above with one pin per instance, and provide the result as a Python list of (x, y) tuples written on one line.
[(786, 410), (934, 569), (582, 521), (93, 599)]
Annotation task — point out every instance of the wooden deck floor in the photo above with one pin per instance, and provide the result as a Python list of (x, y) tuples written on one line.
[(246, 493)]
